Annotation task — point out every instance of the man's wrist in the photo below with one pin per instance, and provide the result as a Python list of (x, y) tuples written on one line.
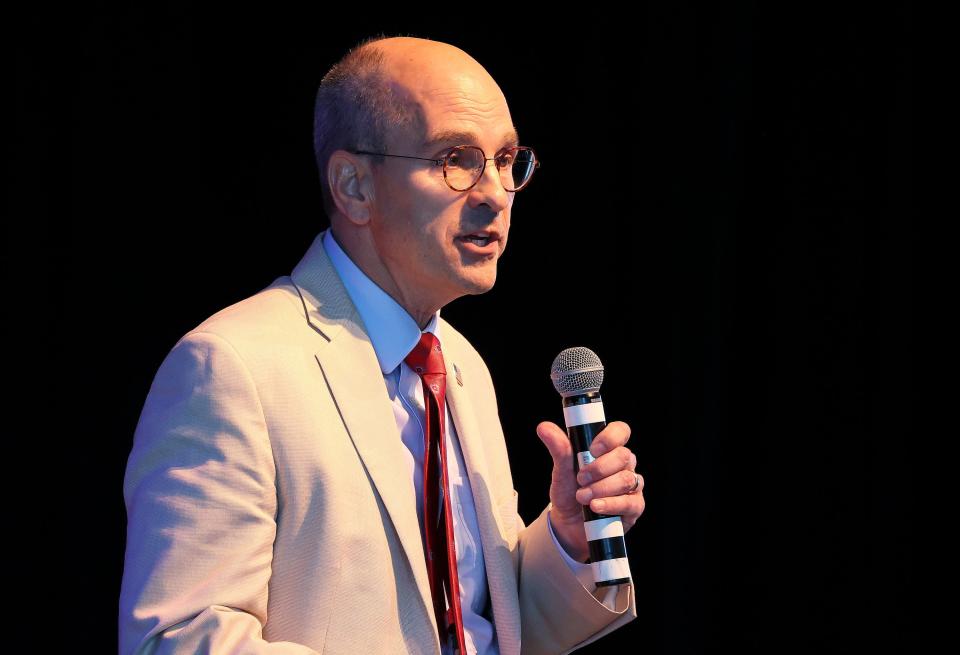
[(570, 536)]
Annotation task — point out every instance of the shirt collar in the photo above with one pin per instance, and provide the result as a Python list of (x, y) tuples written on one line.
[(391, 329)]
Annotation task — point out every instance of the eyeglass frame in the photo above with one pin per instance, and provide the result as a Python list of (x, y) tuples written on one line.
[(442, 162)]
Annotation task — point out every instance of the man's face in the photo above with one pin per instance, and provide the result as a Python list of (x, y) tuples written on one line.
[(418, 222)]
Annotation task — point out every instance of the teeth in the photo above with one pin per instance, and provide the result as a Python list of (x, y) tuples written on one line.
[(480, 241)]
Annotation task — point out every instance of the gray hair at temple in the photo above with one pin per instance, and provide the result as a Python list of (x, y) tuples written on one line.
[(357, 107)]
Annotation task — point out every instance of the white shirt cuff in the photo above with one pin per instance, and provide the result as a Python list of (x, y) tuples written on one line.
[(584, 573)]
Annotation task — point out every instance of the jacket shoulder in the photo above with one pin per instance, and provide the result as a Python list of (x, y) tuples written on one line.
[(279, 297), (263, 316)]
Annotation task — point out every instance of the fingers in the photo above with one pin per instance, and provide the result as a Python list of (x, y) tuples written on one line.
[(616, 433), (555, 439), (611, 473), (628, 507), (620, 483), (619, 459)]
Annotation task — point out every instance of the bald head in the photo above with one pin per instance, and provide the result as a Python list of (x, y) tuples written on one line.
[(375, 97), (420, 51), (420, 63)]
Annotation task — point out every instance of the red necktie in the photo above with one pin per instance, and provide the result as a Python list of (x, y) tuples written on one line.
[(441, 552)]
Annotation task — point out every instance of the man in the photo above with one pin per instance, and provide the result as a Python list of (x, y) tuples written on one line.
[(275, 502)]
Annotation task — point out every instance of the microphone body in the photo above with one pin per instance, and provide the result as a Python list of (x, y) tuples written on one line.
[(577, 374), (584, 418)]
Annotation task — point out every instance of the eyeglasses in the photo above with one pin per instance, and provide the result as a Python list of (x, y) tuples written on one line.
[(463, 166)]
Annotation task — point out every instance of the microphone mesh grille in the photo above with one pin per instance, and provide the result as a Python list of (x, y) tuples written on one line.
[(575, 371)]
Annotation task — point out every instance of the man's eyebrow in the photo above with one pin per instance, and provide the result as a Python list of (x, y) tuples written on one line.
[(458, 137)]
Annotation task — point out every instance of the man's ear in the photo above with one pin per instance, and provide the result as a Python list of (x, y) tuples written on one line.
[(351, 186)]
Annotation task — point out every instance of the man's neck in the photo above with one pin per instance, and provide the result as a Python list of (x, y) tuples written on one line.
[(373, 268)]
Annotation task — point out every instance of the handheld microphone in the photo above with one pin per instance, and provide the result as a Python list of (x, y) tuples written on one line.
[(577, 375)]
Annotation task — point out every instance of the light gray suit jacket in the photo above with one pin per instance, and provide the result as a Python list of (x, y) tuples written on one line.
[(268, 513)]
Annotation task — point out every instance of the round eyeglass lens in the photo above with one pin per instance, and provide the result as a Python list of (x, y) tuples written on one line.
[(464, 165)]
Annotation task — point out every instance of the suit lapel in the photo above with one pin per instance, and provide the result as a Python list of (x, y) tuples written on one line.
[(497, 558), (350, 367)]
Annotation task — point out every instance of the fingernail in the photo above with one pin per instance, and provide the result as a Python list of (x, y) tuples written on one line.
[(597, 449), (584, 478), (584, 496), (598, 505)]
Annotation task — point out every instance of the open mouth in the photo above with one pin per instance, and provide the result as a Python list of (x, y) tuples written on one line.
[(480, 241)]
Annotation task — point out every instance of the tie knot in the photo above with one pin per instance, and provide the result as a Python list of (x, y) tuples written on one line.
[(426, 357)]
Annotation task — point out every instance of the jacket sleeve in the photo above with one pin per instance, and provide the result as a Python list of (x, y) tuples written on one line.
[(201, 503), (558, 615), (584, 573)]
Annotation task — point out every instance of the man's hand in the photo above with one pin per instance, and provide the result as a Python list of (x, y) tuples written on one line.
[(605, 484)]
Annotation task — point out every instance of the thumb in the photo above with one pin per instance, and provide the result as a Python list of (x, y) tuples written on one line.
[(556, 441)]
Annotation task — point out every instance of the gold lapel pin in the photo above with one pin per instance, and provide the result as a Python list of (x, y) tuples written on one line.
[(456, 369)]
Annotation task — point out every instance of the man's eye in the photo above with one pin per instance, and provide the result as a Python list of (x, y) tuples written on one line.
[(506, 159)]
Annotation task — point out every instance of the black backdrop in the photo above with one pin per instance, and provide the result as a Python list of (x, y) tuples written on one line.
[(723, 215)]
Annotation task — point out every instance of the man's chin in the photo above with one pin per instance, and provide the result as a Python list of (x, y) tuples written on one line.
[(475, 287)]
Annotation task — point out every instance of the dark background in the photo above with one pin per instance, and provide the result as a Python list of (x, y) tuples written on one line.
[(724, 215)]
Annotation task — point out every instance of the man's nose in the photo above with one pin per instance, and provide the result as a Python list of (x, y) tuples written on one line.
[(489, 190)]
